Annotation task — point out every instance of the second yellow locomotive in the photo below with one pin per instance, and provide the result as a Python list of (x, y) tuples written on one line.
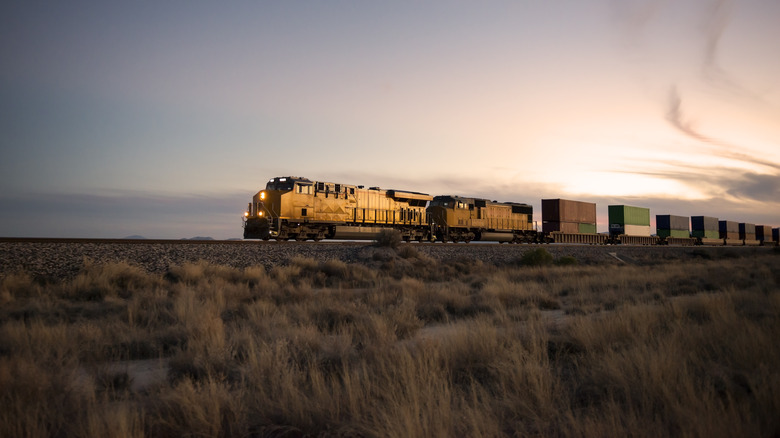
[(460, 219)]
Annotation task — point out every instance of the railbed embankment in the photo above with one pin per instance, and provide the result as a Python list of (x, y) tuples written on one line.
[(60, 259)]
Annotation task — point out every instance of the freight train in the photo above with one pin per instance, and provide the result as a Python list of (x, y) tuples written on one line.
[(295, 208)]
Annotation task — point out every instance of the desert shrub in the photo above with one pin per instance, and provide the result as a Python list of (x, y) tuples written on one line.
[(203, 271), (335, 269), (207, 408), (383, 255), (286, 274), (19, 284), (255, 276), (511, 294), (97, 281), (306, 264), (408, 252), (329, 317), (567, 261), (536, 257), (388, 239)]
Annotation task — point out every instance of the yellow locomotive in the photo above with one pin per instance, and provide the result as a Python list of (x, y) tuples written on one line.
[(301, 209), (460, 219)]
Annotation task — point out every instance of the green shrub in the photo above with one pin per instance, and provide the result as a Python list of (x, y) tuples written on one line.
[(567, 261), (536, 257)]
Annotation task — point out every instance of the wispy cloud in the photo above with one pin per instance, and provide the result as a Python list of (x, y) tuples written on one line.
[(723, 149)]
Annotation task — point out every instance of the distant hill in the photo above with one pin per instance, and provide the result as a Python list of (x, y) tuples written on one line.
[(200, 238), (135, 237)]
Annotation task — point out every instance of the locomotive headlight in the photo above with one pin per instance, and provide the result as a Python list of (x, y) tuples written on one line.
[(262, 195), (259, 213), (246, 214)]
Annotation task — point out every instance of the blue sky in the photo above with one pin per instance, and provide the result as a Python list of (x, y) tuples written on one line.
[(163, 118)]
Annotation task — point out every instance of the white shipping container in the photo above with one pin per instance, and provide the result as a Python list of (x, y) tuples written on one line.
[(636, 230)]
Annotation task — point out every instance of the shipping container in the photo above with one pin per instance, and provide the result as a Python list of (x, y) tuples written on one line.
[(563, 210), (587, 228), (561, 227), (746, 230), (671, 222), (673, 233), (728, 227), (704, 223), (763, 232), (706, 234), (776, 235), (729, 230), (626, 215), (636, 230)]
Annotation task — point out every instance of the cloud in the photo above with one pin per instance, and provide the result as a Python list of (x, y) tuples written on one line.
[(675, 116), (760, 187), (720, 183)]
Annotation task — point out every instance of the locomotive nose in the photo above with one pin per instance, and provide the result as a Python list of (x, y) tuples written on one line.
[(257, 228)]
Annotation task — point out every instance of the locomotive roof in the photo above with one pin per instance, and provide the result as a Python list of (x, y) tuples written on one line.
[(297, 179), (471, 200)]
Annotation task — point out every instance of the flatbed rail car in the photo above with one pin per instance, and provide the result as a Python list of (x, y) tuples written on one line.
[(590, 239), (679, 241)]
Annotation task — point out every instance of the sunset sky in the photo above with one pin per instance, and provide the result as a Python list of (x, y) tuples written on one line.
[(163, 118)]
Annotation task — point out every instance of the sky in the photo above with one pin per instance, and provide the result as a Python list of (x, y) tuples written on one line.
[(162, 119)]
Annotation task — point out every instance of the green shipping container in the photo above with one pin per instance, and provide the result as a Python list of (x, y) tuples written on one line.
[(706, 234), (673, 233), (587, 228), (625, 215)]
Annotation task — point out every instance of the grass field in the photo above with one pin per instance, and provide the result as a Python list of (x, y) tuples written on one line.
[(402, 346)]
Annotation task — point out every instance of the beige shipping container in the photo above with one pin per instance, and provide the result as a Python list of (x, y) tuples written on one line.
[(636, 230), (763, 233)]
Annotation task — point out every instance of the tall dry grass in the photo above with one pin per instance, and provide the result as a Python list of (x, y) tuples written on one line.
[(400, 346)]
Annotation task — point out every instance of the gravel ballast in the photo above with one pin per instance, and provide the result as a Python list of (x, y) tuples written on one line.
[(52, 259)]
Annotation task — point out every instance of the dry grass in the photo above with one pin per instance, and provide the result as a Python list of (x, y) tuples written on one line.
[(401, 346)]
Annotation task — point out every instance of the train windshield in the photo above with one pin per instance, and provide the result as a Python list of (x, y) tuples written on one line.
[(279, 185), (442, 202)]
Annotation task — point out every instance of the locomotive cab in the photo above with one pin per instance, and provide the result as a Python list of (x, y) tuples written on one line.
[(271, 206)]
